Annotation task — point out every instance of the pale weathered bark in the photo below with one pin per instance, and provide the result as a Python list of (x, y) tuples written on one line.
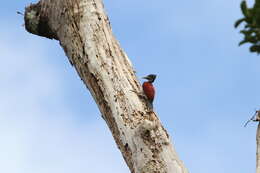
[(258, 149), (257, 118), (84, 32)]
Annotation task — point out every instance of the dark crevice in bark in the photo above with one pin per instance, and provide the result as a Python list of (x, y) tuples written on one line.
[(36, 22)]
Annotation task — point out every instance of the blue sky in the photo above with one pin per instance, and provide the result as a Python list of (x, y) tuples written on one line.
[(207, 87)]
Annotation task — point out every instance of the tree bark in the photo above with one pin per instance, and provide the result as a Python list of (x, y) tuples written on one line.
[(84, 32), (258, 149)]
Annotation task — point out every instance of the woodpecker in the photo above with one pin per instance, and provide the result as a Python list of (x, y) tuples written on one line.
[(148, 88)]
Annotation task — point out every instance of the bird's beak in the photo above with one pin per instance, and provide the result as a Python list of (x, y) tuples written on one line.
[(144, 77)]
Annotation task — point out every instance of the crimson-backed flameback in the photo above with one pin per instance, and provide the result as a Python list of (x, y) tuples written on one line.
[(148, 88)]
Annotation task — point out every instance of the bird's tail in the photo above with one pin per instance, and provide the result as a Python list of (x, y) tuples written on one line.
[(150, 105)]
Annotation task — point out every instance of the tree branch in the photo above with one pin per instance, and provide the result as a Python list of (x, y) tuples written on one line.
[(258, 149), (84, 32)]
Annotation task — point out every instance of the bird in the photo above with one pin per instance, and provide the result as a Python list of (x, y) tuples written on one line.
[(149, 89)]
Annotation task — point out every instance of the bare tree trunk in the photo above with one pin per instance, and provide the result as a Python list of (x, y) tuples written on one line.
[(84, 32), (258, 149)]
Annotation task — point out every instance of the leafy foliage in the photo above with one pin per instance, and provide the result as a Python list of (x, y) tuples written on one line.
[(251, 29)]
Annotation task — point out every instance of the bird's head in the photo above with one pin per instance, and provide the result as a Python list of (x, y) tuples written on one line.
[(150, 78)]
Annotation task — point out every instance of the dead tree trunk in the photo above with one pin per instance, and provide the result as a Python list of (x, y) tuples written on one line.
[(84, 32), (258, 149)]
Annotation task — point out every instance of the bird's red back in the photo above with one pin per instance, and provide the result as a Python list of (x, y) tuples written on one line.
[(149, 91)]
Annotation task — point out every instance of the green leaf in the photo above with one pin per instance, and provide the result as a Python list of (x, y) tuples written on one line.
[(257, 4), (244, 8), (255, 48), (251, 29), (247, 26), (247, 32), (238, 22), (242, 42)]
